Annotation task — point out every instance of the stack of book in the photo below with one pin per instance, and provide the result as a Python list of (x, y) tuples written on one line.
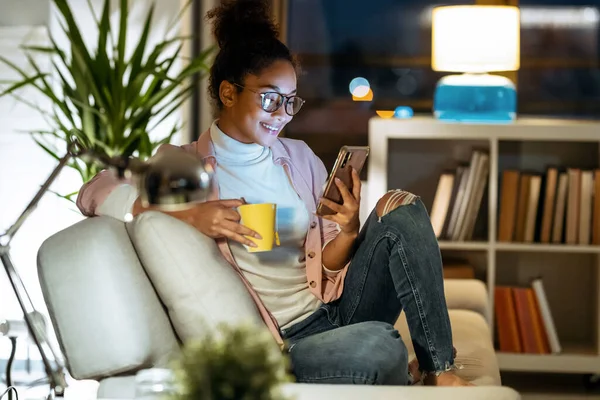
[(458, 199), (558, 207), (524, 323), (458, 269)]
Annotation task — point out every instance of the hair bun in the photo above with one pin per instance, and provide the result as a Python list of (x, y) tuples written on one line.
[(238, 21)]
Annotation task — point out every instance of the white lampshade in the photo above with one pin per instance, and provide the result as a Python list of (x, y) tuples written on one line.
[(475, 38)]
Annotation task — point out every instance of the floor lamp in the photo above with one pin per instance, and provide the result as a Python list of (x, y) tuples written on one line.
[(171, 180)]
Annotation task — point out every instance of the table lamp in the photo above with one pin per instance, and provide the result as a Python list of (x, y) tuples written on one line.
[(475, 41), (171, 180)]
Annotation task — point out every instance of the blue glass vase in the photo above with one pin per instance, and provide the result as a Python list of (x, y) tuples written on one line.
[(475, 98)]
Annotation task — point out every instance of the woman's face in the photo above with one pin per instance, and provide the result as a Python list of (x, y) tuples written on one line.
[(243, 117)]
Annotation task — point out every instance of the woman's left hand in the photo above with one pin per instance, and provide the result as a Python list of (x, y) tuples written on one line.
[(346, 214)]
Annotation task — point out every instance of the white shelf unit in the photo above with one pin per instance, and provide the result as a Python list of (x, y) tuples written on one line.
[(418, 150)]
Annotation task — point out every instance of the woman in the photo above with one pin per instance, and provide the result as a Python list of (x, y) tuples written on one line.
[(330, 293)]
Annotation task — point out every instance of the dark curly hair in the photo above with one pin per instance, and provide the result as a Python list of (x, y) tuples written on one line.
[(248, 42)]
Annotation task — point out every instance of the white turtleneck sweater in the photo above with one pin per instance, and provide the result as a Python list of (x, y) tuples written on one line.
[(278, 276)]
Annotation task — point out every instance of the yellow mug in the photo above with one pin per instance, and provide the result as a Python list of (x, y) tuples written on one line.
[(261, 218)]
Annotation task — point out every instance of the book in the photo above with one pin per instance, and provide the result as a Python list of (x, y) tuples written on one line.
[(523, 201), (456, 270), (508, 205), (585, 207), (441, 202), (546, 315), (458, 199), (549, 204), (476, 198), (596, 212), (507, 327), (535, 183), (528, 327), (560, 209), (475, 165), (573, 205)]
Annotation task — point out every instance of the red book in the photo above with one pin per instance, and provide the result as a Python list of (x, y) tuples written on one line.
[(539, 331), (526, 320), (506, 320)]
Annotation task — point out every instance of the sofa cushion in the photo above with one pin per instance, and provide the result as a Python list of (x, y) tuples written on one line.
[(198, 287), (467, 294), (472, 340)]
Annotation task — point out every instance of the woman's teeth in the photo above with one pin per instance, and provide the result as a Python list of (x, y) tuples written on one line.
[(270, 127)]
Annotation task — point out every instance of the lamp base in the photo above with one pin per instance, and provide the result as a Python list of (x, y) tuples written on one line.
[(475, 98)]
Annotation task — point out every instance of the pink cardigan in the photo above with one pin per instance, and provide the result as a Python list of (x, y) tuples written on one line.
[(307, 174)]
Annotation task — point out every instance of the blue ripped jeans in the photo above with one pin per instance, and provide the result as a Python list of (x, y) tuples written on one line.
[(397, 266)]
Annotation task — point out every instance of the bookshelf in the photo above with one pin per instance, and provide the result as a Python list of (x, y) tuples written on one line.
[(570, 272)]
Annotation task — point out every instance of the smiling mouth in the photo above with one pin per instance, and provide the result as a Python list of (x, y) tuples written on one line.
[(272, 129)]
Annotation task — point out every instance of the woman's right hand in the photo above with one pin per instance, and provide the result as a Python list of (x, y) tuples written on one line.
[(218, 218)]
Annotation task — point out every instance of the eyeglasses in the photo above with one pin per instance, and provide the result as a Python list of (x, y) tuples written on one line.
[(272, 101)]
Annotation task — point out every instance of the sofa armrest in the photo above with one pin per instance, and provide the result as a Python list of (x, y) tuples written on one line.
[(467, 294), (105, 312)]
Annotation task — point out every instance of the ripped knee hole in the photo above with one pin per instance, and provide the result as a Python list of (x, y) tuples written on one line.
[(392, 200)]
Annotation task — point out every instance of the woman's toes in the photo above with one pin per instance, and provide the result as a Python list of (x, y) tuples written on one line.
[(413, 368)]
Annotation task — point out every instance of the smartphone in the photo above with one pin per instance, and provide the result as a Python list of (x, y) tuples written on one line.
[(348, 157)]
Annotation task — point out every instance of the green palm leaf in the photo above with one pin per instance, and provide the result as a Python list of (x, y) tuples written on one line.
[(108, 102), (18, 85)]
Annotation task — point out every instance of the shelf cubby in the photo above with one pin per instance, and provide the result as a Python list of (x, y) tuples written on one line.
[(411, 154)]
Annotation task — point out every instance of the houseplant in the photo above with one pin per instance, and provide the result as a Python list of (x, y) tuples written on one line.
[(231, 362), (108, 100)]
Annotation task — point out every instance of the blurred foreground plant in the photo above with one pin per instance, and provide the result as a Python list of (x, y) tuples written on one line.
[(232, 363)]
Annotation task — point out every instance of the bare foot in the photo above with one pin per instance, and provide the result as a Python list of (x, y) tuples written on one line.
[(413, 368), (446, 379)]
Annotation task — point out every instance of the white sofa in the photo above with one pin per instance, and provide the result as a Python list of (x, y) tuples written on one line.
[(120, 301)]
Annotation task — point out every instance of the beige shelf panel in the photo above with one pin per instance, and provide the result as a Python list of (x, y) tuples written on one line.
[(476, 246), (519, 247), (524, 129), (574, 359), (543, 247)]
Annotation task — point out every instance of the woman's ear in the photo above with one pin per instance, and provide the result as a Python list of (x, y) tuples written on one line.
[(227, 93)]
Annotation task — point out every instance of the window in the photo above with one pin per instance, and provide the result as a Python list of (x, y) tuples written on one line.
[(560, 49), (389, 43)]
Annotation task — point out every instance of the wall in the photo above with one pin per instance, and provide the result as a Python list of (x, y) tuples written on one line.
[(24, 12)]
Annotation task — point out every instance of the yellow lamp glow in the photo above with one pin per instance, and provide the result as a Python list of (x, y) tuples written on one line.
[(367, 97), (475, 38), (385, 113)]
